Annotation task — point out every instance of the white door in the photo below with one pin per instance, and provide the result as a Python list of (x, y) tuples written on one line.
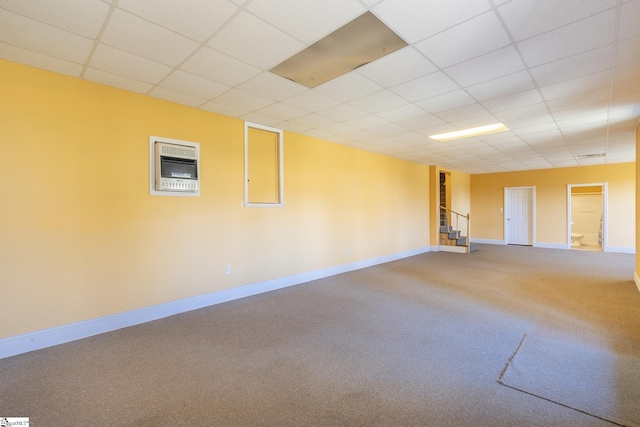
[(519, 216)]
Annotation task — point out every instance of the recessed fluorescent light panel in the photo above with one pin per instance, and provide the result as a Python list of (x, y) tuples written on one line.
[(467, 133), (359, 42)]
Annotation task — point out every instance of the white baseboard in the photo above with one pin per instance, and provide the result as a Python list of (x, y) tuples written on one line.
[(551, 245), (455, 249), (488, 241), (637, 280), (620, 249), (59, 335)]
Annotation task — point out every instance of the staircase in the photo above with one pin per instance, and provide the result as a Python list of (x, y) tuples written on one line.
[(451, 239)]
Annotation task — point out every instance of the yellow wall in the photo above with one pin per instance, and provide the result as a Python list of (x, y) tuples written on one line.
[(487, 197), (80, 236), (637, 277)]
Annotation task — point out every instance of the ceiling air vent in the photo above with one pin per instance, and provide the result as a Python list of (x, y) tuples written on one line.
[(589, 156)]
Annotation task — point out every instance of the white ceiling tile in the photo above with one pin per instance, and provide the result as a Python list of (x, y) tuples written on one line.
[(628, 53), (528, 122), (581, 99), (215, 107), (220, 67), (404, 112), (517, 100), (462, 113), (342, 112), (502, 86), (83, 17), (421, 123), (177, 97), (337, 129), (311, 101), (496, 64), (292, 127), (447, 101), (33, 35), (348, 87), (241, 100), (379, 101), (398, 67), (587, 110), (415, 20), (574, 66), (198, 20), (312, 121), (271, 86), (581, 36), (630, 20), (125, 64), (626, 90), (461, 43), (307, 20), (138, 36), (39, 60), (576, 86), (388, 129), (193, 85), (367, 122), (254, 41), (522, 112), (528, 18), (426, 87), (591, 121), (473, 122), (113, 80), (281, 111)]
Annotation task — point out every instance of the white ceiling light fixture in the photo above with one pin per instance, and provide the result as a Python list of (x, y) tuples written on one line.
[(357, 43), (467, 133)]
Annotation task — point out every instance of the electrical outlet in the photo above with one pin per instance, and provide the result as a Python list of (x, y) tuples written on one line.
[(346, 250), (227, 269)]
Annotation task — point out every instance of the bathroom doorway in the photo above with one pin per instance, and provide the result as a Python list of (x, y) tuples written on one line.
[(587, 216)]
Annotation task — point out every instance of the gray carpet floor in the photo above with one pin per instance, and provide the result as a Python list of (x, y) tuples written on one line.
[(415, 342)]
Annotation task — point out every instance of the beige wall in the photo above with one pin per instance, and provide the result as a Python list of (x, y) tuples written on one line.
[(80, 236), (487, 198)]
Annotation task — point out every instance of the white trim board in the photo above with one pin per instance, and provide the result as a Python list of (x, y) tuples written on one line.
[(551, 245), (62, 334), (488, 241)]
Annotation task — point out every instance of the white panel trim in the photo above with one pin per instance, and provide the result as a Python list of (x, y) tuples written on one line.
[(488, 241), (551, 245), (59, 335), (620, 249)]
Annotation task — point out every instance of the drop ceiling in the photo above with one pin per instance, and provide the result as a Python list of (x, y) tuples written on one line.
[(563, 75)]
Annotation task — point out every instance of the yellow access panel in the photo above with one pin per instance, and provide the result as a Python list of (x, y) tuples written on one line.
[(263, 166)]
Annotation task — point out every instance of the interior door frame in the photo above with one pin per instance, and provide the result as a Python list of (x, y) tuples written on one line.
[(533, 213), (605, 222)]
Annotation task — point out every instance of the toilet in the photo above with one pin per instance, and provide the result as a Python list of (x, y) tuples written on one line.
[(576, 240)]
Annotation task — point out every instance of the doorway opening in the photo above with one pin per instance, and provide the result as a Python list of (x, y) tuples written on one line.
[(587, 216)]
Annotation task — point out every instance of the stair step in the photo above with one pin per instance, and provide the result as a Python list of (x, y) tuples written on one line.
[(454, 234), (445, 228)]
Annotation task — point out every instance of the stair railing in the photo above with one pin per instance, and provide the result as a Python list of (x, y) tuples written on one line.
[(467, 217)]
